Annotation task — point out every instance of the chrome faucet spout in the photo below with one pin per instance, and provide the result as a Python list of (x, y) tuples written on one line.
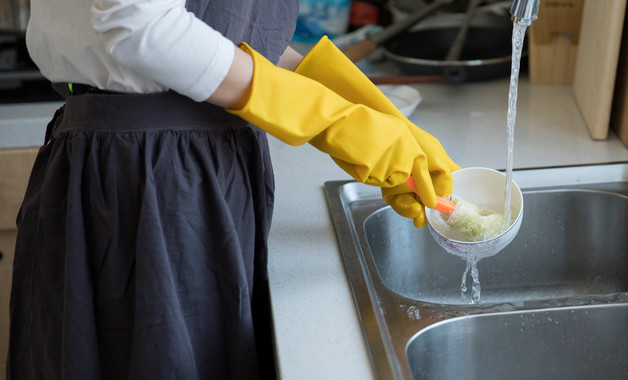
[(523, 12)]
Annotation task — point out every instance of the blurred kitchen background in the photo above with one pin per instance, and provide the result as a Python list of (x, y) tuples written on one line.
[(574, 42), (573, 110), (20, 81)]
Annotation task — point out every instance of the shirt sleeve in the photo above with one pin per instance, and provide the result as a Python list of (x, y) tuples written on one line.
[(161, 40)]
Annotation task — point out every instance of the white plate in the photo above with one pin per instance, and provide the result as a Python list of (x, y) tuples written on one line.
[(404, 97)]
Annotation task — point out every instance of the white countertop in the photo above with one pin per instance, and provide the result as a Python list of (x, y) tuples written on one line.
[(317, 329), (24, 124), (318, 334)]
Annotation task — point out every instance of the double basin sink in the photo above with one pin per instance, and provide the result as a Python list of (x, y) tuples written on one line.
[(554, 303)]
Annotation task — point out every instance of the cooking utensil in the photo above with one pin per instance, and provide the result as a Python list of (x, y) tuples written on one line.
[(483, 187), (486, 54), (473, 222), (456, 74), (406, 79), (409, 6), (363, 48), (423, 49)]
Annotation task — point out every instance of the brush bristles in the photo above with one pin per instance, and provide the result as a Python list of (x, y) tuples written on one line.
[(475, 222)]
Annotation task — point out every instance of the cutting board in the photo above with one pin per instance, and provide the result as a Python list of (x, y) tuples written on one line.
[(619, 113), (596, 62)]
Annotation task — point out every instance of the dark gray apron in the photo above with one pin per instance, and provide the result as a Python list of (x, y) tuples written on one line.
[(142, 238)]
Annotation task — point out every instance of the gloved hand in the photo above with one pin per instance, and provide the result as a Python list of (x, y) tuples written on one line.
[(326, 64), (373, 147)]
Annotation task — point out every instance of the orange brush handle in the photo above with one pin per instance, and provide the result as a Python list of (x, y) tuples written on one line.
[(443, 205)]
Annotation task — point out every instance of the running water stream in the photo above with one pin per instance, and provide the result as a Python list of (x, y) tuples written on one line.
[(476, 290), (518, 36)]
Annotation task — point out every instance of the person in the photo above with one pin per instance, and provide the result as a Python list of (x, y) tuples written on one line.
[(142, 237)]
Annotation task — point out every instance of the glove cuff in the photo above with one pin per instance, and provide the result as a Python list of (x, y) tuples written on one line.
[(274, 114), (325, 63)]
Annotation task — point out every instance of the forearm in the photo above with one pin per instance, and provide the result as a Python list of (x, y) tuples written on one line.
[(289, 59), (235, 87)]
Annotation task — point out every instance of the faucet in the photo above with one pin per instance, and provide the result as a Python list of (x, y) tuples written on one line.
[(524, 11)]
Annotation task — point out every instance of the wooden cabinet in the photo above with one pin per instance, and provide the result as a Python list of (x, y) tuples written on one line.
[(15, 168), (580, 43)]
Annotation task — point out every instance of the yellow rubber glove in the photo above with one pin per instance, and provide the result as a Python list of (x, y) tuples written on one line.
[(373, 147), (326, 64)]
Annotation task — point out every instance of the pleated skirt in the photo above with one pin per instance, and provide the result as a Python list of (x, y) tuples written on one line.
[(142, 245)]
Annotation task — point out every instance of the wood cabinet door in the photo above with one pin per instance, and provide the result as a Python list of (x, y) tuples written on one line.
[(15, 168)]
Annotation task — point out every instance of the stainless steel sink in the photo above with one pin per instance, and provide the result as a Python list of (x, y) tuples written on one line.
[(576, 343), (562, 281)]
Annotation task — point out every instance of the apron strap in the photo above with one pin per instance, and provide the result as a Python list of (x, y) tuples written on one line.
[(53, 124)]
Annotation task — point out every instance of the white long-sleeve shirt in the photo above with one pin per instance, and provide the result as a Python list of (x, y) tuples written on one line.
[(139, 46)]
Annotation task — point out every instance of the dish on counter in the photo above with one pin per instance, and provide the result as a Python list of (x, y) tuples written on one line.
[(404, 97)]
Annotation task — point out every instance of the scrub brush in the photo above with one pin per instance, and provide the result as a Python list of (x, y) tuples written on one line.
[(474, 222)]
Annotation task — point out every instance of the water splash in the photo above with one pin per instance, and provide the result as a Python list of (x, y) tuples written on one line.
[(476, 289)]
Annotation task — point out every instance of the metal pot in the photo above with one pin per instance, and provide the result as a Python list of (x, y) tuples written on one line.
[(486, 53)]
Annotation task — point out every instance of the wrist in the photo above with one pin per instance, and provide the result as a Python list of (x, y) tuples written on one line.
[(234, 90)]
